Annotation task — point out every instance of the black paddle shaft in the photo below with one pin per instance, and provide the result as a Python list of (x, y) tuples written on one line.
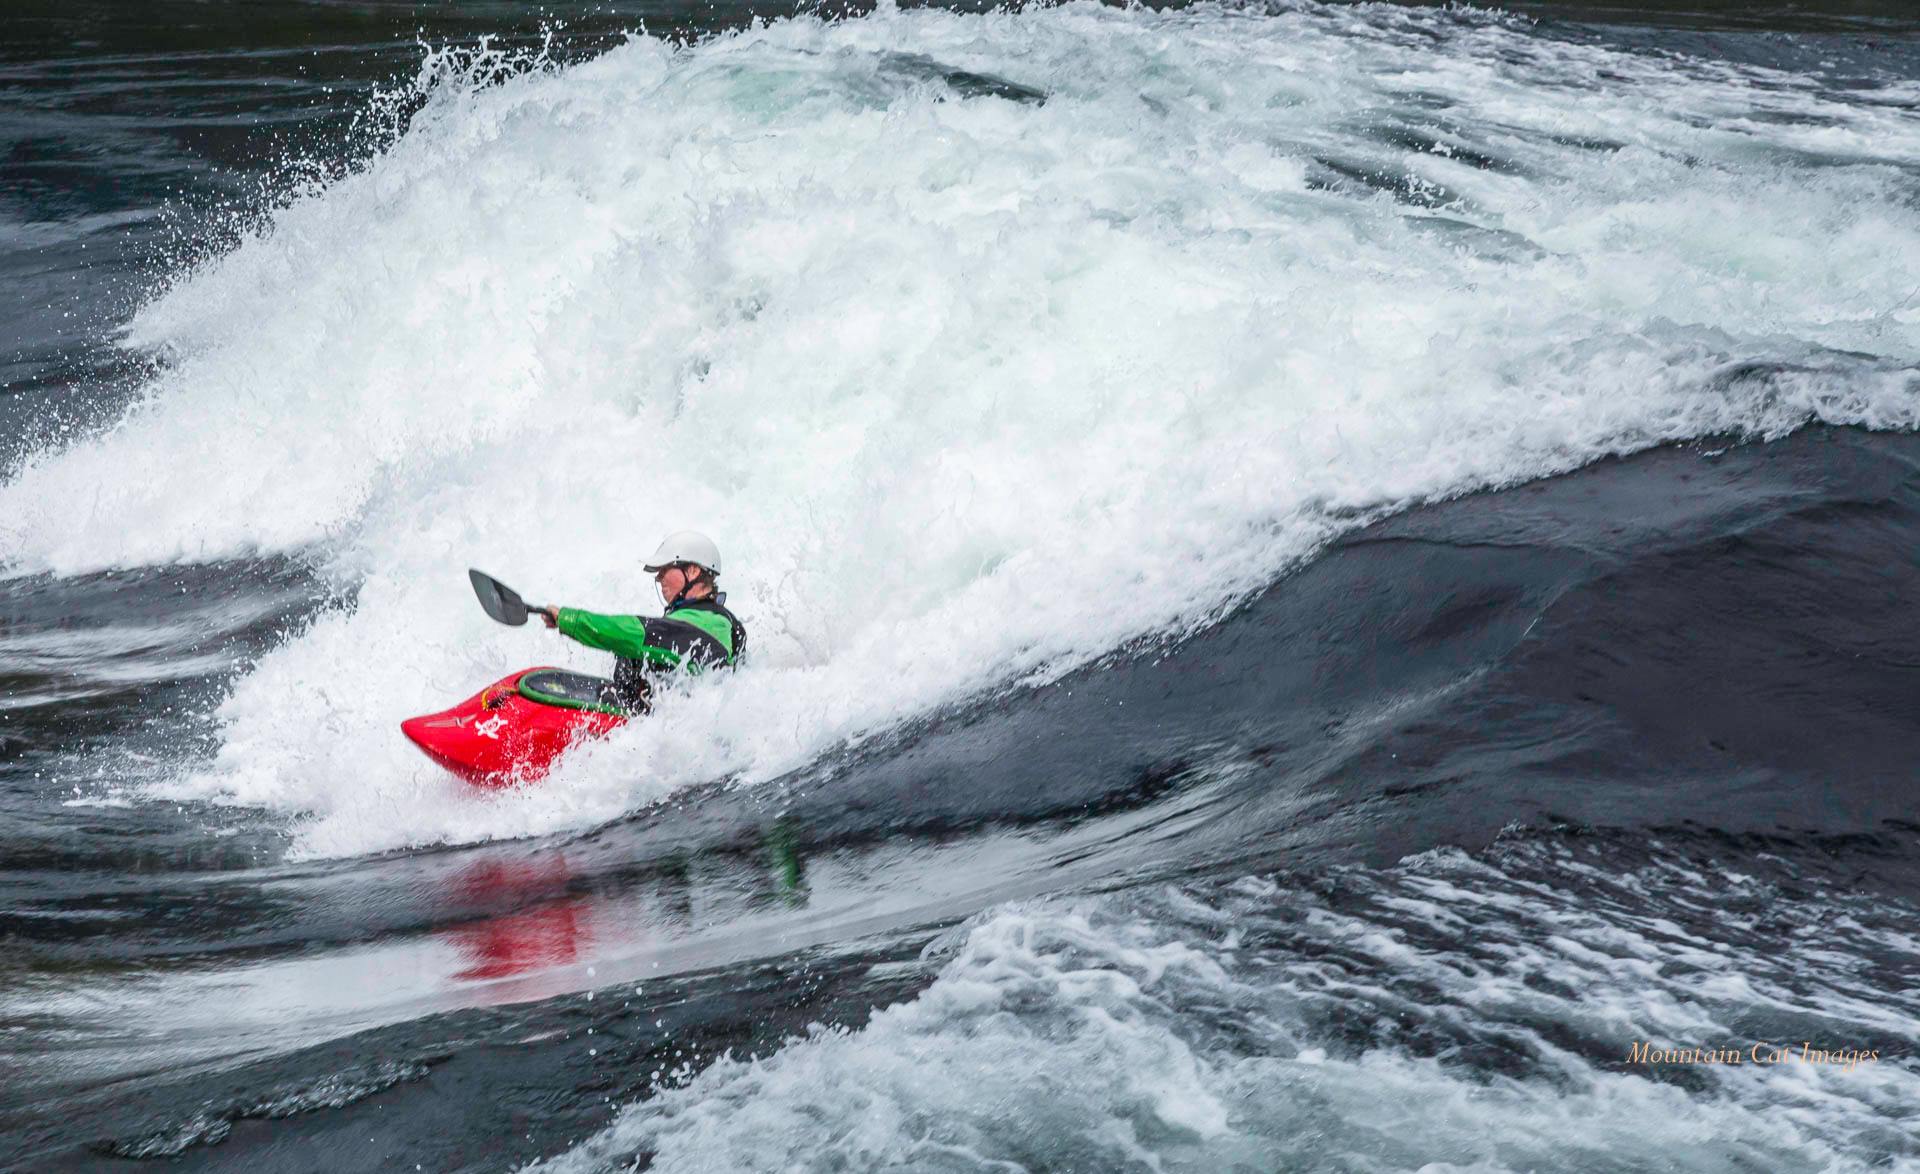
[(500, 601)]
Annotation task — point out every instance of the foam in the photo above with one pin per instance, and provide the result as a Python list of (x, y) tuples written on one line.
[(967, 390), (1447, 1014)]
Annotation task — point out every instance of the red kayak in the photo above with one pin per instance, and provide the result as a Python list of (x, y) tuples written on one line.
[(513, 730)]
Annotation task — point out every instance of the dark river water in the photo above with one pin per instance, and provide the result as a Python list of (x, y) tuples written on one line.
[(1330, 587)]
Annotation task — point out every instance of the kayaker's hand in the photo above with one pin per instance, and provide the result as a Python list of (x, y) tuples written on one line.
[(550, 614)]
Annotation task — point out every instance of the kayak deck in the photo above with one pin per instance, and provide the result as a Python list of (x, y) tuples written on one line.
[(515, 729)]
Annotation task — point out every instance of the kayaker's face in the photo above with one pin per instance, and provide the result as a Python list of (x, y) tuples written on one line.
[(671, 581)]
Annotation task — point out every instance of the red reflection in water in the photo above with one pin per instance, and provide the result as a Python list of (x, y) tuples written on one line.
[(552, 933)]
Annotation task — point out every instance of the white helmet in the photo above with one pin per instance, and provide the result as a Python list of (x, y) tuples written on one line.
[(685, 546)]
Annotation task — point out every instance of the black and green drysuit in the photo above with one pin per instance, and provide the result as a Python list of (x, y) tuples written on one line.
[(694, 633)]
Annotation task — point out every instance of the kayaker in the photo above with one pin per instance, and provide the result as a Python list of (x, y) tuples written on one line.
[(695, 632)]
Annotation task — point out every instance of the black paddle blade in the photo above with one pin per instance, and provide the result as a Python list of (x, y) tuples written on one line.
[(498, 599)]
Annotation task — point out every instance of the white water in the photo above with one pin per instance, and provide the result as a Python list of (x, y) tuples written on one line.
[(1443, 1015), (968, 390)]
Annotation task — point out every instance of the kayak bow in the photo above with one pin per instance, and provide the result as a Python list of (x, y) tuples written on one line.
[(515, 729)]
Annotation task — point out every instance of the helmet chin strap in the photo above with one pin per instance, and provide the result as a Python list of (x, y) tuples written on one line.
[(691, 582)]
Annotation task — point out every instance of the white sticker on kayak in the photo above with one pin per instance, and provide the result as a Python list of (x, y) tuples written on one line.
[(490, 728)]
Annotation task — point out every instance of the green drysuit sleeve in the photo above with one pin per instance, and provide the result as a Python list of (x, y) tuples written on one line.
[(688, 635), (620, 635)]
